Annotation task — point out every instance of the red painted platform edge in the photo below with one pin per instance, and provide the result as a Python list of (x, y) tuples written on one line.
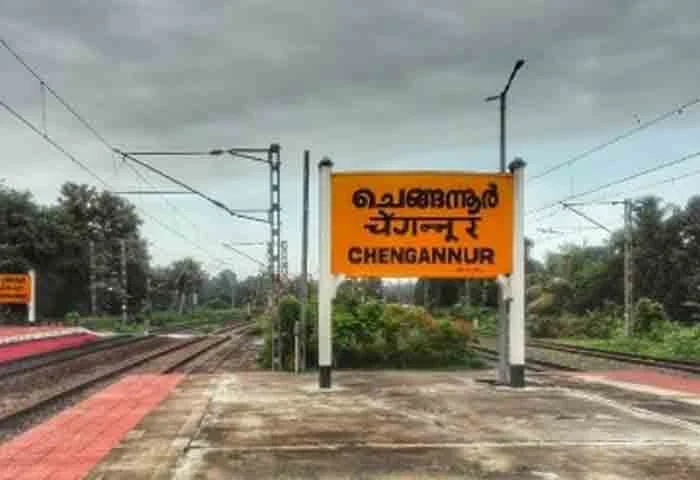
[(666, 381), (27, 348)]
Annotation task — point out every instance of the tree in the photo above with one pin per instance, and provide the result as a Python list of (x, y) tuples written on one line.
[(359, 290), (438, 293), (162, 290), (55, 241), (221, 288), (187, 278), (253, 291), (105, 219), (650, 247)]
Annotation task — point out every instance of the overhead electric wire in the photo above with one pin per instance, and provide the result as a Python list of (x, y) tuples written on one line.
[(94, 175), (214, 259), (587, 217), (243, 254), (53, 143), (46, 87), (184, 185), (614, 140), (628, 178), (647, 186), (545, 216), (55, 94), (172, 206)]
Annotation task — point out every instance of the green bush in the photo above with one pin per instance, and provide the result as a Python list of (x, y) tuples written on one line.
[(596, 324), (672, 341), (289, 314), (603, 323), (547, 326), (650, 319), (684, 343), (374, 335), (108, 323), (218, 303), (397, 336), (72, 318), (482, 319)]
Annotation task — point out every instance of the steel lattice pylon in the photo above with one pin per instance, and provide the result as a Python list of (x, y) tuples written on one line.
[(274, 251), (274, 214), (285, 261)]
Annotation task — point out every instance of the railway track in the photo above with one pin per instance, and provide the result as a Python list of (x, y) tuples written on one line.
[(184, 327), (224, 352), (34, 362), (573, 357), (153, 355), (631, 358), (531, 364)]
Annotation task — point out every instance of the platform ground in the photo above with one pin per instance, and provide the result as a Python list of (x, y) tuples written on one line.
[(389, 424)]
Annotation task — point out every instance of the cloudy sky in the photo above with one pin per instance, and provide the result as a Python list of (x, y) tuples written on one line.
[(370, 83)]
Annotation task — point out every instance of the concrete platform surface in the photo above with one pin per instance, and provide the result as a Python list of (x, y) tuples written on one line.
[(389, 424)]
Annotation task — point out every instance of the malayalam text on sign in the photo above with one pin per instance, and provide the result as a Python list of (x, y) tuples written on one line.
[(15, 288), (421, 224)]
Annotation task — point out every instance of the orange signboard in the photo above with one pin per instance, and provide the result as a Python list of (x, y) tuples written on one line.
[(15, 288), (421, 224)]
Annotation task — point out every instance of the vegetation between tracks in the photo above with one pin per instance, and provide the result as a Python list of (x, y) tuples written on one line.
[(654, 334), (202, 321), (678, 343)]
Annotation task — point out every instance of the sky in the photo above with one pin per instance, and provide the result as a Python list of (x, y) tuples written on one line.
[(380, 84)]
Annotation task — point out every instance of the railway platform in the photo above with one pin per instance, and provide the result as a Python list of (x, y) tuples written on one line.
[(644, 379), (20, 342), (372, 424), (18, 334)]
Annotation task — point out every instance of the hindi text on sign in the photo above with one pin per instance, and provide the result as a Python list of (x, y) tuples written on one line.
[(413, 225)]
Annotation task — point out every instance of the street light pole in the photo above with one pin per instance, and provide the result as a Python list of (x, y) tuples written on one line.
[(502, 148), (502, 341), (501, 97)]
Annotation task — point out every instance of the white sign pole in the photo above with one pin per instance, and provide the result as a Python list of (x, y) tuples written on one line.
[(516, 320), (326, 285), (31, 306)]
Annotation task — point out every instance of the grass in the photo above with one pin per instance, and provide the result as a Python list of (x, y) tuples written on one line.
[(109, 324), (203, 321), (678, 343)]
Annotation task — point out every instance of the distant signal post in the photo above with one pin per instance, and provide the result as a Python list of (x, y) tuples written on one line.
[(422, 224)]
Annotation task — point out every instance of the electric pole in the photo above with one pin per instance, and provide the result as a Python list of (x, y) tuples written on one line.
[(628, 267), (304, 294), (93, 280), (629, 314), (123, 282), (273, 157), (273, 162), (149, 306), (232, 284), (467, 293), (502, 318), (426, 294)]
